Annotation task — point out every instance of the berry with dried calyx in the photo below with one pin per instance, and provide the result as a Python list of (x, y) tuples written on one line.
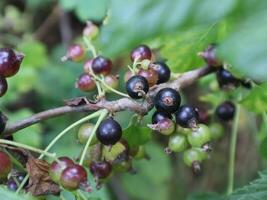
[(187, 116), (75, 53), (137, 86), (209, 55), (199, 136), (165, 126), (163, 71), (90, 31)]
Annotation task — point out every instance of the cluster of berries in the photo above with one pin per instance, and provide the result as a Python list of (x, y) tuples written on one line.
[(10, 62)]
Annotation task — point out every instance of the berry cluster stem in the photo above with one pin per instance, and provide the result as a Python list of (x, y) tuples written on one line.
[(231, 167), (103, 114)]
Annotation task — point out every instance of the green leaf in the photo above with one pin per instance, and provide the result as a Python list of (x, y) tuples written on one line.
[(246, 47), (137, 135), (8, 195), (255, 190), (256, 100), (206, 196)]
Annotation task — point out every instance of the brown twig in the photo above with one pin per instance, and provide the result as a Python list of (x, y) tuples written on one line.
[(140, 107)]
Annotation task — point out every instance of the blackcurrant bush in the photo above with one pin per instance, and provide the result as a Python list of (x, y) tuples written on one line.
[(216, 130), (57, 168), (112, 81), (75, 53), (5, 165), (157, 116), (101, 65), (167, 100), (165, 126), (226, 79), (109, 132), (3, 86), (87, 66), (150, 75), (199, 136), (136, 86), (73, 176), (225, 111), (2, 122), (101, 170), (84, 133), (187, 116), (85, 83), (140, 53), (210, 56), (9, 62), (177, 143), (90, 31), (163, 71)]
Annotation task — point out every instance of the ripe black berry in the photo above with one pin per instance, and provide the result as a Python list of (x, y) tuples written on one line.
[(226, 79), (167, 100), (2, 122), (3, 86), (140, 53), (187, 116), (101, 65), (11, 184), (225, 111), (57, 168), (9, 62), (109, 132), (5, 165), (164, 72), (73, 176), (136, 86), (150, 75), (210, 57), (100, 170), (157, 116), (85, 83)]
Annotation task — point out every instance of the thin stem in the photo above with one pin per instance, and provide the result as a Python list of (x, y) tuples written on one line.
[(231, 167), (81, 195), (101, 117), (24, 146), (90, 46)]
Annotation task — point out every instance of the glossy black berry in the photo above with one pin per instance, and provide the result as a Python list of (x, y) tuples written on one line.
[(209, 55), (109, 132), (226, 79), (225, 111), (167, 100), (3, 86), (12, 185), (100, 170), (140, 53), (157, 116), (2, 122), (164, 72), (136, 86), (101, 65), (9, 62), (187, 116)]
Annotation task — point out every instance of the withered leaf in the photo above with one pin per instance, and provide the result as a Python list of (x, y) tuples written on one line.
[(78, 101), (39, 182)]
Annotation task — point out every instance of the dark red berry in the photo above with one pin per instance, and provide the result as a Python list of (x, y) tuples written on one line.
[(210, 56), (100, 170), (101, 65), (167, 100), (75, 53), (5, 165), (85, 83), (9, 62), (187, 116), (137, 86), (226, 79), (140, 53), (204, 116), (109, 132), (225, 111), (163, 71), (3, 120), (3, 86), (73, 176), (150, 75), (157, 116), (57, 168)]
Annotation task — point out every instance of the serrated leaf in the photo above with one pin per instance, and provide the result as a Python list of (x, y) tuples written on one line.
[(256, 100), (137, 135), (256, 190)]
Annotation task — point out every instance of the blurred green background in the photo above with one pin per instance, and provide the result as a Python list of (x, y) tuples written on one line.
[(177, 30)]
